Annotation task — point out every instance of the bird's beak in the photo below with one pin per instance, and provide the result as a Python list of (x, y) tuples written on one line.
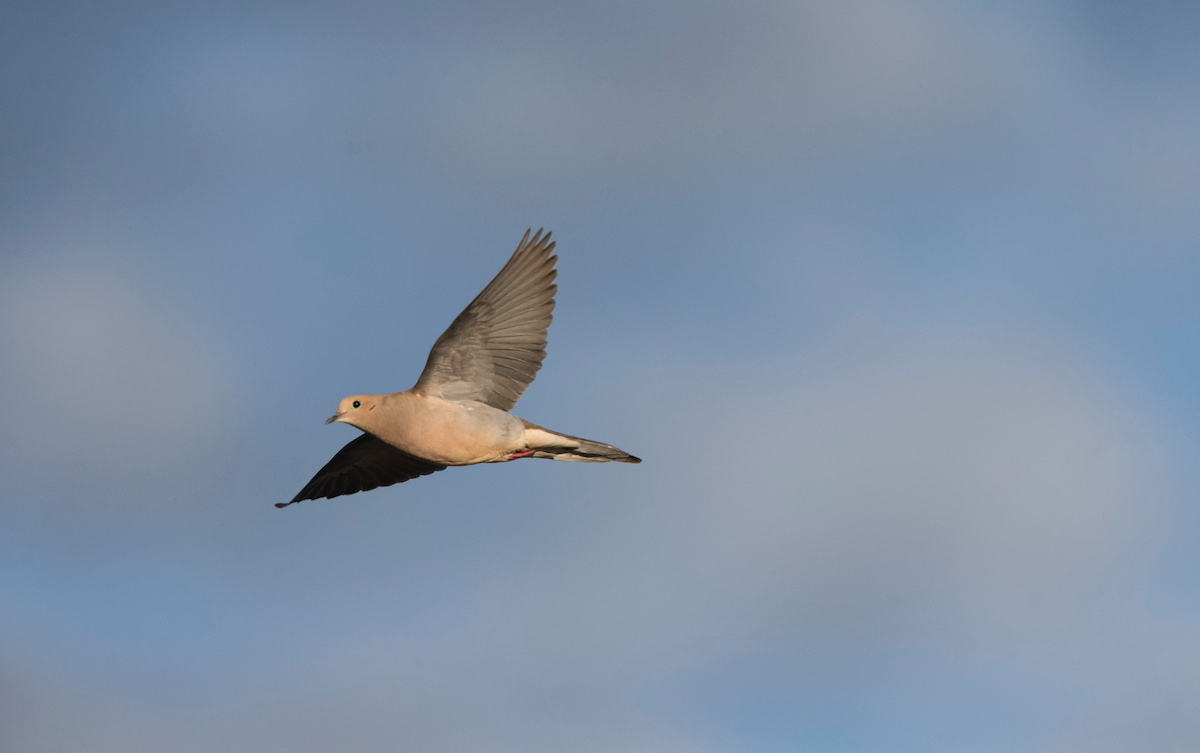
[(334, 417)]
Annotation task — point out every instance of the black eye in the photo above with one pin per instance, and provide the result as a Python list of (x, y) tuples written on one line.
[(357, 404)]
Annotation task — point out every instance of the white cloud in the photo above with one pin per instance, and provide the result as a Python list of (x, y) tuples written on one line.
[(668, 89), (997, 468), (107, 378)]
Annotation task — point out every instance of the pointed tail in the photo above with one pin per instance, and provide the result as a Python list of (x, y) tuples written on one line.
[(554, 446)]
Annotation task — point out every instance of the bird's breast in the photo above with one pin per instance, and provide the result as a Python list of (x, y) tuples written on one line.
[(447, 432)]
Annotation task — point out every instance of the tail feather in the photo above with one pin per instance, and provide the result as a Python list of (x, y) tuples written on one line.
[(555, 446)]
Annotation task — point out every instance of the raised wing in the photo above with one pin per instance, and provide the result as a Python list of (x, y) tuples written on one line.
[(494, 349), (365, 463)]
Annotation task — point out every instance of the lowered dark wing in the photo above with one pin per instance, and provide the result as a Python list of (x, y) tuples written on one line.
[(365, 463), (494, 349)]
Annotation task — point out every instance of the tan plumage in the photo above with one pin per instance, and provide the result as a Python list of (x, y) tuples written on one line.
[(457, 412)]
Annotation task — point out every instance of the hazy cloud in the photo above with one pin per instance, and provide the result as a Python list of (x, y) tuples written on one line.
[(896, 300), (108, 378)]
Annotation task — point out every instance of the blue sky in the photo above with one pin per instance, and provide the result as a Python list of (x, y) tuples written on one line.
[(896, 300)]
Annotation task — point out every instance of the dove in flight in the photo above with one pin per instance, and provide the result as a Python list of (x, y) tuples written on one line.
[(457, 412)]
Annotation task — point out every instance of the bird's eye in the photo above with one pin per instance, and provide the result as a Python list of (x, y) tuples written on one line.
[(357, 404)]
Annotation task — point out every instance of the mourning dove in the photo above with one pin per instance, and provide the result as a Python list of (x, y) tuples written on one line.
[(457, 412)]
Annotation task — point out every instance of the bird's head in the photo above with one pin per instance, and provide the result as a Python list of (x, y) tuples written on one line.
[(353, 410)]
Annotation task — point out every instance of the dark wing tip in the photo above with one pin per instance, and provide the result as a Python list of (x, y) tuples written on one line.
[(298, 498)]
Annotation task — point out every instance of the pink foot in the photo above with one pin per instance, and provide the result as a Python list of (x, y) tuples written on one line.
[(521, 454)]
